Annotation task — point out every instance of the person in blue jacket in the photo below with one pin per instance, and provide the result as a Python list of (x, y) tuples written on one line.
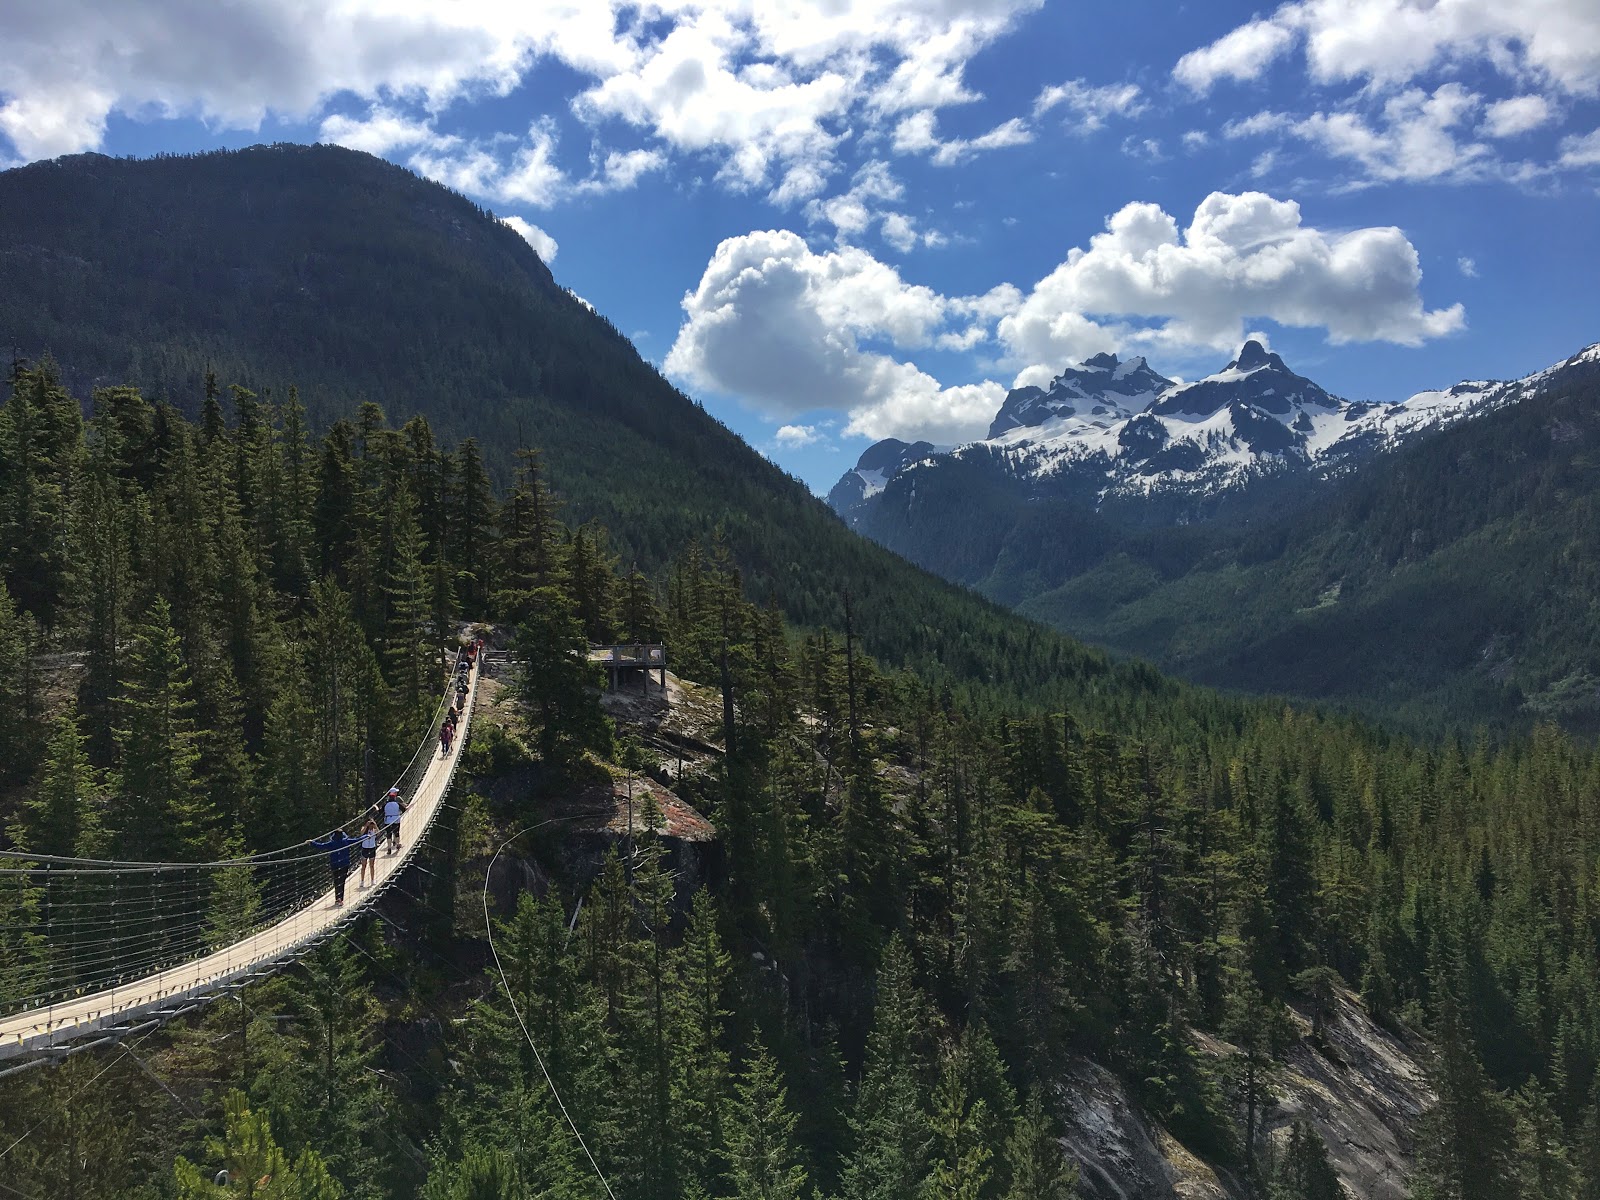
[(337, 844)]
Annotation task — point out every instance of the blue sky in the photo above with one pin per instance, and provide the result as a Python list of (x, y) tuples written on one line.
[(838, 220)]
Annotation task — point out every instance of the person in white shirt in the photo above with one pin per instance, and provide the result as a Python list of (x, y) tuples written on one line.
[(369, 855), (392, 808)]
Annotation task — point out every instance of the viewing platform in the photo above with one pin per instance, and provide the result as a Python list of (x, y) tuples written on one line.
[(642, 657)]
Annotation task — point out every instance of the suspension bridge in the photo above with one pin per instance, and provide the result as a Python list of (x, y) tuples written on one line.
[(94, 951)]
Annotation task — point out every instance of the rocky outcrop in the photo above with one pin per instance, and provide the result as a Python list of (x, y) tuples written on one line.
[(1359, 1085), (1121, 1154), (1363, 1089)]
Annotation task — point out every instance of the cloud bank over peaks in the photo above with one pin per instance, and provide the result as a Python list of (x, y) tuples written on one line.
[(1146, 282), (792, 331)]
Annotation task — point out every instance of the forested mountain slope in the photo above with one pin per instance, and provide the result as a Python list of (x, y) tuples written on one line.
[(355, 280), (941, 929), (1459, 577)]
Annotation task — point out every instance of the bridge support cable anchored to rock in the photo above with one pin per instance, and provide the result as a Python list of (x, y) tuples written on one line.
[(95, 949)]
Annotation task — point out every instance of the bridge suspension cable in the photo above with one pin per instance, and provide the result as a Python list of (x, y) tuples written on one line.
[(90, 946)]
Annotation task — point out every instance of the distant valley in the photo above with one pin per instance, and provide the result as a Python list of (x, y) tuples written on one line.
[(1242, 529)]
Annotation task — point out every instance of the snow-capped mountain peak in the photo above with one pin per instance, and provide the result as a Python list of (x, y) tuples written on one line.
[(1109, 428), (1258, 378), (1097, 391)]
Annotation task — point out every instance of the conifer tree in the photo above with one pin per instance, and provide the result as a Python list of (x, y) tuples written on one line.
[(347, 694), (558, 684), (41, 444), (213, 425), (254, 1165), (334, 518), (408, 602), (1544, 1168), (1466, 1140), (638, 616), (318, 1085), (697, 1018), (1038, 1167), (763, 1156), (293, 801), (17, 722), (960, 1157), (158, 812), (225, 772), (472, 519), (889, 1123), (593, 574), (61, 816), (482, 1174), (1303, 1171), (992, 1103), (532, 560), (294, 549), (90, 1125)]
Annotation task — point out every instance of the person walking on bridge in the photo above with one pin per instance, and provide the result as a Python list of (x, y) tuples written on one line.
[(369, 855), (392, 808), (337, 844)]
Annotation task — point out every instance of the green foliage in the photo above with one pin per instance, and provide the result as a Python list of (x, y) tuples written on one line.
[(17, 721), (1302, 1171), (762, 1151), (1034, 1159), (892, 1132), (558, 684), (483, 1174), (255, 1166), (158, 813), (62, 817)]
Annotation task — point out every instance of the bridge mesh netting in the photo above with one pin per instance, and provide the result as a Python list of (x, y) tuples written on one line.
[(72, 927)]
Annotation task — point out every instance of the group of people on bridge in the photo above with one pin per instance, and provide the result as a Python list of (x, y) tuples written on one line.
[(340, 845), (464, 666)]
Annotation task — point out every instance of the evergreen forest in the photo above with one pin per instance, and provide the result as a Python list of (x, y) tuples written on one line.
[(951, 858)]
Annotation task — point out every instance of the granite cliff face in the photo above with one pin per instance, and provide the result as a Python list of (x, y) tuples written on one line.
[(1359, 1085)]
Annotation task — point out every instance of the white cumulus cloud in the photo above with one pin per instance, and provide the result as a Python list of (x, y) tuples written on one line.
[(795, 436), (918, 133), (1090, 107), (1416, 135), (543, 244), (1147, 282), (1581, 150), (765, 90), (1241, 54), (1392, 42), (1516, 114), (790, 331)]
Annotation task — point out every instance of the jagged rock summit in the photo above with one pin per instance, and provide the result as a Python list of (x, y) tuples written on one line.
[(877, 464), (1097, 391)]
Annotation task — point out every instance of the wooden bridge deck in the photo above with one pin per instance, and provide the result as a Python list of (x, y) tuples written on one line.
[(42, 1028)]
